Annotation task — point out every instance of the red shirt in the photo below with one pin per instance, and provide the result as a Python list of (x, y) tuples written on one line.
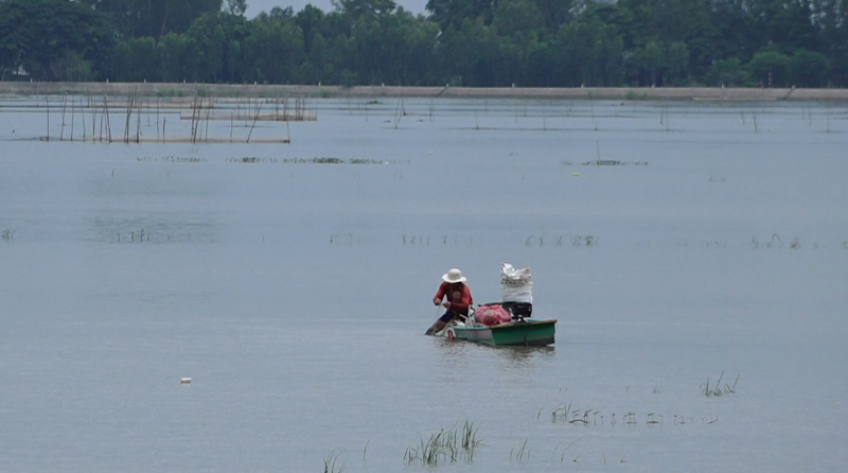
[(446, 288)]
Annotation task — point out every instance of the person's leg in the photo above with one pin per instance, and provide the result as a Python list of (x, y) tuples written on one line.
[(440, 324)]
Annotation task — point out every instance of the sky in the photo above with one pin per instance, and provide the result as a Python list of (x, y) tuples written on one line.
[(255, 7)]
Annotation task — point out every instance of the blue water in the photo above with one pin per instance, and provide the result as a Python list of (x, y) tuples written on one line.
[(295, 294)]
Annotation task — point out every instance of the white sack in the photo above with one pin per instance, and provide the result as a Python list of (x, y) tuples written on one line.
[(516, 284)]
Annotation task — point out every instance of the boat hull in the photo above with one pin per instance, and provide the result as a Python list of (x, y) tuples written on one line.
[(529, 332)]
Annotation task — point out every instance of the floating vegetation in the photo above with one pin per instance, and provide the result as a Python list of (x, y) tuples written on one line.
[(540, 240), (252, 159), (316, 160), (445, 446), (587, 240), (717, 390), (158, 234), (139, 236), (608, 162), (8, 234), (444, 240), (564, 414), (776, 242), (171, 159)]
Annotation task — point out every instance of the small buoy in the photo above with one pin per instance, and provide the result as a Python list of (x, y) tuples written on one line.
[(185, 381), (576, 174)]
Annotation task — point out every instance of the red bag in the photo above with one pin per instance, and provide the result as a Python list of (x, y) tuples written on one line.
[(492, 315)]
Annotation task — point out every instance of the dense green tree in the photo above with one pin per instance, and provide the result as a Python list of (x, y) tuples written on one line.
[(452, 13), (273, 51), (808, 69), (517, 16), (785, 23), (589, 54), (153, 18), (556, 13), (471, 55), (770, 69), (677, 58), (178, 58), (309, 20), (651, 60), (136, 60), (670, 21), (40, 33), (216, 37), (462, 42), (831, 20), (727, 72)]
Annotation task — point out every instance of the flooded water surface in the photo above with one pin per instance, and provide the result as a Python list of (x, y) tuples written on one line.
[(694, 255)]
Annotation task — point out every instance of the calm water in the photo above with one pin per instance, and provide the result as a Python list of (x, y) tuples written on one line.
[(295, 293)]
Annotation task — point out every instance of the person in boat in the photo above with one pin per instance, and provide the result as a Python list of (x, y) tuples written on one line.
[(457, 297)]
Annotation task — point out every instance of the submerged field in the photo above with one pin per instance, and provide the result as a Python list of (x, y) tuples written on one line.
[(694, 255)]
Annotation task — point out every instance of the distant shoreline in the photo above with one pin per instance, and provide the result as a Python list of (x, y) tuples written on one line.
[(321, 91)]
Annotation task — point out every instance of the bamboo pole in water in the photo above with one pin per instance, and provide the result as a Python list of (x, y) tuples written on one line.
[(255, 118), (108, 120), (82, 116), (62, 128), (73, 111)]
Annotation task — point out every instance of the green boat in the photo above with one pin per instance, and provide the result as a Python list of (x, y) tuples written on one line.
[(522, 332)]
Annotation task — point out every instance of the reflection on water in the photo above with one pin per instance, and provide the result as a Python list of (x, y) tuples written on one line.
[(523, 357)]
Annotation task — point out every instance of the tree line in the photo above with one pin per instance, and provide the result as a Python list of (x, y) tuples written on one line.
[(526, 43)]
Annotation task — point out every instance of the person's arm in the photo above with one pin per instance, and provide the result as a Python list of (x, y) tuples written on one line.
[(437, 299)]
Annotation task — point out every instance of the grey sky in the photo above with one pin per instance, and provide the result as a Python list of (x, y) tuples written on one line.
[(255, 7)]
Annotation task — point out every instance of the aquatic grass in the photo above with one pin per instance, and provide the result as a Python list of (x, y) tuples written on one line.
[(446, 445), (564, 450), (560, 414), (519, 455), (717, 390), (330, 462), (469, 437)]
